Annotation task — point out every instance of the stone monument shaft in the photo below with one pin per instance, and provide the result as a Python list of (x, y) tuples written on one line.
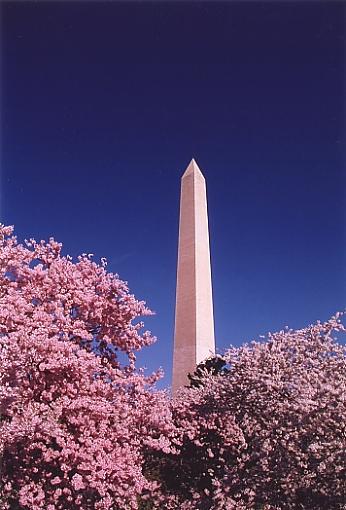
[(194, 321)]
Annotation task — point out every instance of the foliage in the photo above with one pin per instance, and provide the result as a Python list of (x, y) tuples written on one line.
[(268, 435), (213, 365), (261, 428), (73, 424)]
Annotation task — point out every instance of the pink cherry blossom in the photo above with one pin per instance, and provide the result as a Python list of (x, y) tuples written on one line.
[(81, 429), (71, 414), (269, 434)]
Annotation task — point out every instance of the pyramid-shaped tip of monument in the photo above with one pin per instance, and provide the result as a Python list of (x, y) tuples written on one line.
[(193, 168)]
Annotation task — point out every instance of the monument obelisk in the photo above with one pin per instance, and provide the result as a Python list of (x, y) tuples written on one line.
[(194, 338)]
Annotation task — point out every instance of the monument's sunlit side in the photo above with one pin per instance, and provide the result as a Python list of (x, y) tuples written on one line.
[(194, 321)]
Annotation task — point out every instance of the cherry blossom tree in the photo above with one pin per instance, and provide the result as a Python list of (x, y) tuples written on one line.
[(74, 418), (262, 428), (267, 433)]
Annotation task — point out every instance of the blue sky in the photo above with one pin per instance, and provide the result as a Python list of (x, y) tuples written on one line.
[(104, 105)]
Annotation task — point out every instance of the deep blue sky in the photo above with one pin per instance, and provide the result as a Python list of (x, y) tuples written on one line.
[(103, 106)]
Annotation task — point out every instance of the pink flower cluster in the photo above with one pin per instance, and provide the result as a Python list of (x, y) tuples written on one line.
[(270, 434), (81, 430), (71, 422)]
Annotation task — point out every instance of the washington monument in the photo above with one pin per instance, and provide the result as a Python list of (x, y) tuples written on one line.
[(194, 338)]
